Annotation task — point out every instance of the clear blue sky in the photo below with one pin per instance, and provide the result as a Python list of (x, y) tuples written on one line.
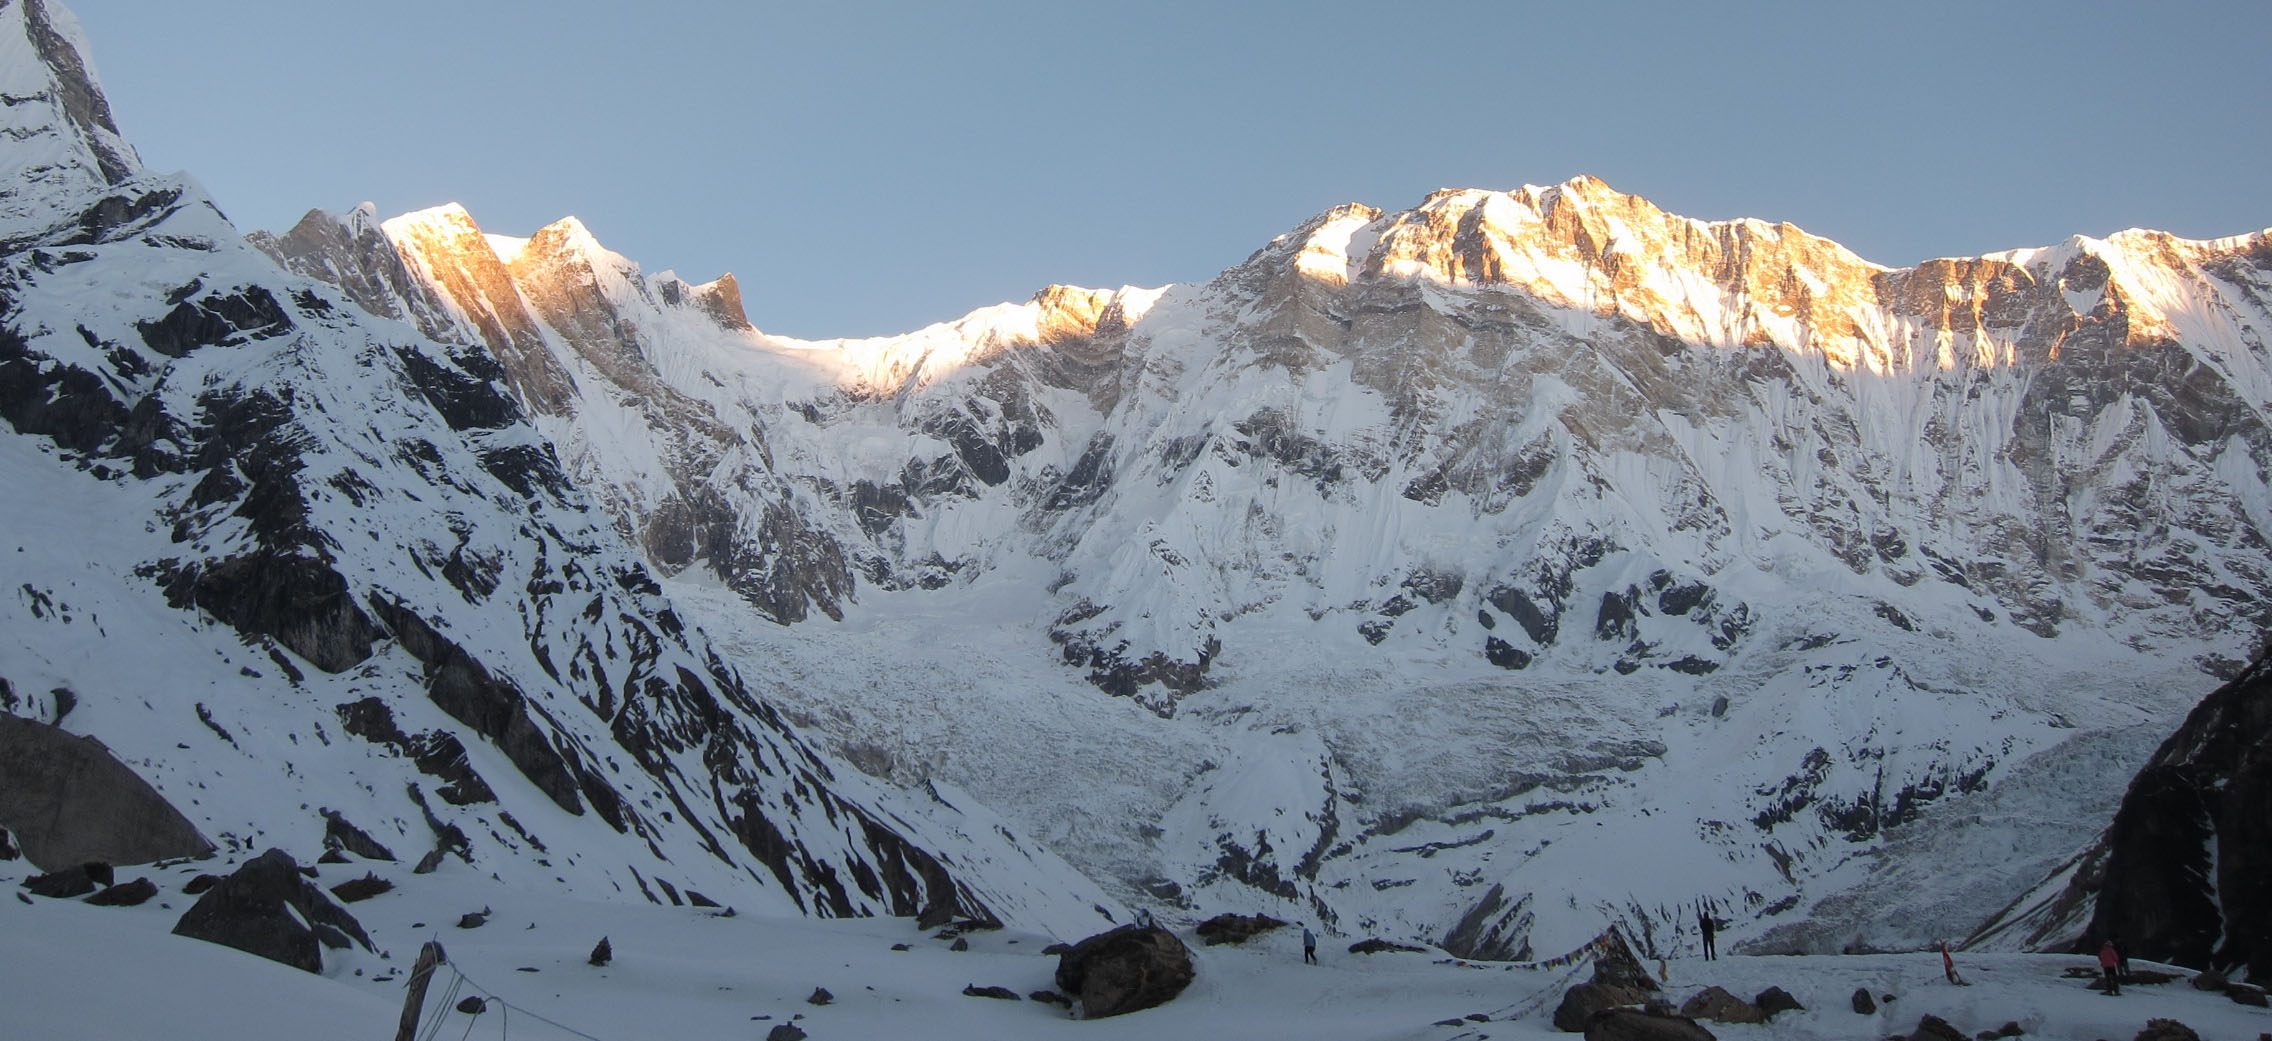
[(869, 167)]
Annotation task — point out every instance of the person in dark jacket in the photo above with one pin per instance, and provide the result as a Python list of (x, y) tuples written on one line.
[(1309, 945), (2110, 963), (1705, 925)]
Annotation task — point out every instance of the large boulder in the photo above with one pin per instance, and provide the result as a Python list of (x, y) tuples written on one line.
[(1123, 970), (1580, 1003), (2166, 1030), (1774, 1000), (268, 908), (68, 801), (1235, 928), (1626, 1024)]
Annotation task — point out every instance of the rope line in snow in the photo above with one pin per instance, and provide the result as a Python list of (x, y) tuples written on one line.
[(505, 1021)]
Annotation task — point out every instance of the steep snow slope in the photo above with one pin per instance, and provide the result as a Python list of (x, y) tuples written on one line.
[(1474, 571), (288, 560)]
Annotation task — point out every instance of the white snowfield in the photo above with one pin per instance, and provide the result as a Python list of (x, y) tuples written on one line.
[(76, 973)]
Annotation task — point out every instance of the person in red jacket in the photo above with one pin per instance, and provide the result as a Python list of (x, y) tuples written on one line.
[(2109, 962)]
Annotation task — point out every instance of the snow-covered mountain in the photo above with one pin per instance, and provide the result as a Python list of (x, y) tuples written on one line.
[(1470, 572), (310, 572)]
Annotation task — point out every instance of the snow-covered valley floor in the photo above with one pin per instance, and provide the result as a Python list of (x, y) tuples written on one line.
[(70, 972)]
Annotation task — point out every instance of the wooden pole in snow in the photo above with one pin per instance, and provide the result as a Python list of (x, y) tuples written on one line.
[(414, 1004)]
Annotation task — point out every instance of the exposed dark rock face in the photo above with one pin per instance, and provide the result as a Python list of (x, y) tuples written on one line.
[(1235, 928), (438, 753), (67, 801), (340, 834), (494, 708), (1493, 928), (2189, 857), (260, 909), (1128, 969)]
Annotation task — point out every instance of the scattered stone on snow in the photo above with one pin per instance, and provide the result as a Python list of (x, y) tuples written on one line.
[(128, 894), (1002, 993), (820, 996), (1376, 945), (474, 919), (602, 953)]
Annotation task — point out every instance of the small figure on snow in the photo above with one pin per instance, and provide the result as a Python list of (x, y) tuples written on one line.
[(1948, 965), (2110, 963), (1309, 945), (1708, 927)]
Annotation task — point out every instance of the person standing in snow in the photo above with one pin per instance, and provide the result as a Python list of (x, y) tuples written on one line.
[(2110, 962), (1705, 925), (1309, 945)]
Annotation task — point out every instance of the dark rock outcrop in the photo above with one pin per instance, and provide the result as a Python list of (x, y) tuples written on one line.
[(73, 881), (125, 894), (1625, 1024), (2166, 1030), (1581, 1003), (1864, 1004), (1719, 1006), (1376, 945), (260, 909), (1128, 969), (2188, 876), (340, 834), (1235, 928), (1934, 1028), (68, 801), (355, 890), (1776, 1000)]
